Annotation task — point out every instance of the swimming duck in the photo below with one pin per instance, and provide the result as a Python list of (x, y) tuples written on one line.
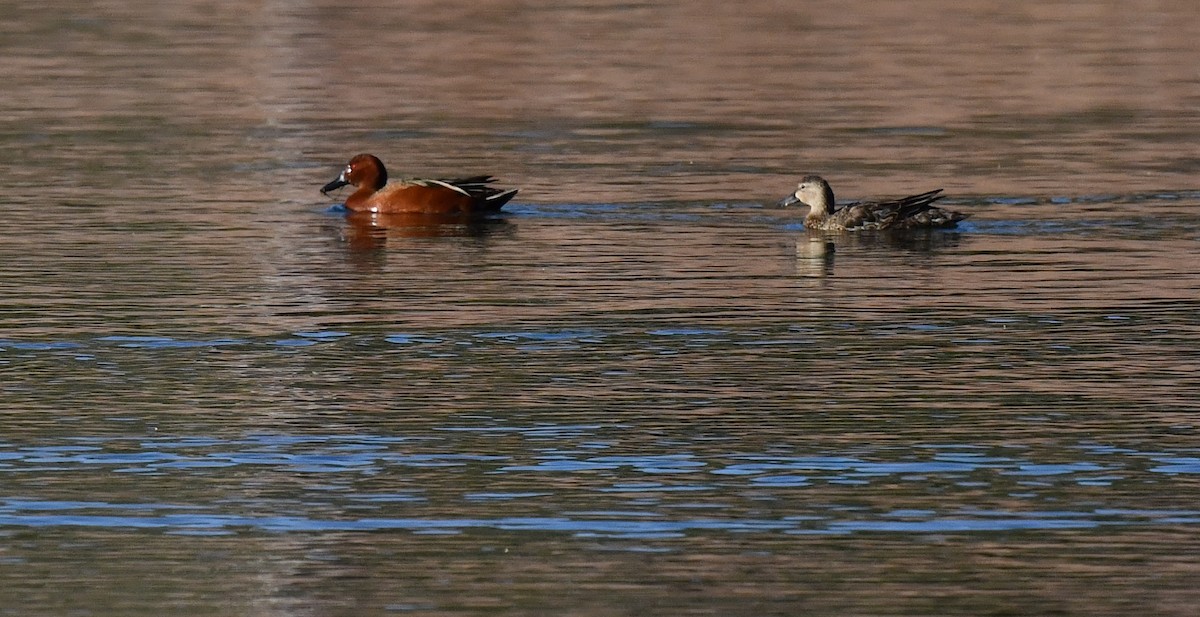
[(912, 212), (463, 196)]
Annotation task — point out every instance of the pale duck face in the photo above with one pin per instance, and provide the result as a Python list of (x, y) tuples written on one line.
[(813, 192)]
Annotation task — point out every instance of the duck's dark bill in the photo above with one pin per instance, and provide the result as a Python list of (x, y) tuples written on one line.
[(790, 200), (333, 186)]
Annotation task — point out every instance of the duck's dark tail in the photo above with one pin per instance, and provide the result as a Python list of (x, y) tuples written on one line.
[(497, 201)]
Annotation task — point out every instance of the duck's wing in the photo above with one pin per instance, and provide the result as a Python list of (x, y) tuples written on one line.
[(479, 187), (483, 197), (915, 204), (864, 215), (936, 217), (474, 186), (473, 182), (886, 214)]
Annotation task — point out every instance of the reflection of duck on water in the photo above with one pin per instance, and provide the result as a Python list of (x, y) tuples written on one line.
[(912, 212), (909, 240), (369, 230), (814, 257)]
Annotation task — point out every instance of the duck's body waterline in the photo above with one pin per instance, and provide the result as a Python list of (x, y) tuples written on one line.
[(912, 212), (462, 196)]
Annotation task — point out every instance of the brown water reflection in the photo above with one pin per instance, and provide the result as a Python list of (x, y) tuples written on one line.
[(639, 391), (616, 101), (369, 231)]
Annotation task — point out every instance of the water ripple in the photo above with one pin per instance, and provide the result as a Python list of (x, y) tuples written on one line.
[(612, 524)]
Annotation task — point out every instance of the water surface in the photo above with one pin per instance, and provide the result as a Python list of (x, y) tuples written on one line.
[(642, 391)]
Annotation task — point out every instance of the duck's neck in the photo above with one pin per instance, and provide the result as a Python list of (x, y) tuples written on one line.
[(359, 197), (822, 206), (825, 203)]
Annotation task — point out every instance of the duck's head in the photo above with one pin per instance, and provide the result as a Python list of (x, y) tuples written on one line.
[(362, 170), (814, 192)]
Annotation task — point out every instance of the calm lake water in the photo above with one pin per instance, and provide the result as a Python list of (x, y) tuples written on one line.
[(642, 391)]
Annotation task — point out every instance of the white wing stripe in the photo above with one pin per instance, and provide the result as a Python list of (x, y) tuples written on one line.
[(449, 186)]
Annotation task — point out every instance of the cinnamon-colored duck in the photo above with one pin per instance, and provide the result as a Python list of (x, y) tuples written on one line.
[(463, 196), (912, 212)]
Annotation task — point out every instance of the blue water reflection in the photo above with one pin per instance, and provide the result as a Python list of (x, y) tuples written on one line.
[(612, 524), (809, 493)]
